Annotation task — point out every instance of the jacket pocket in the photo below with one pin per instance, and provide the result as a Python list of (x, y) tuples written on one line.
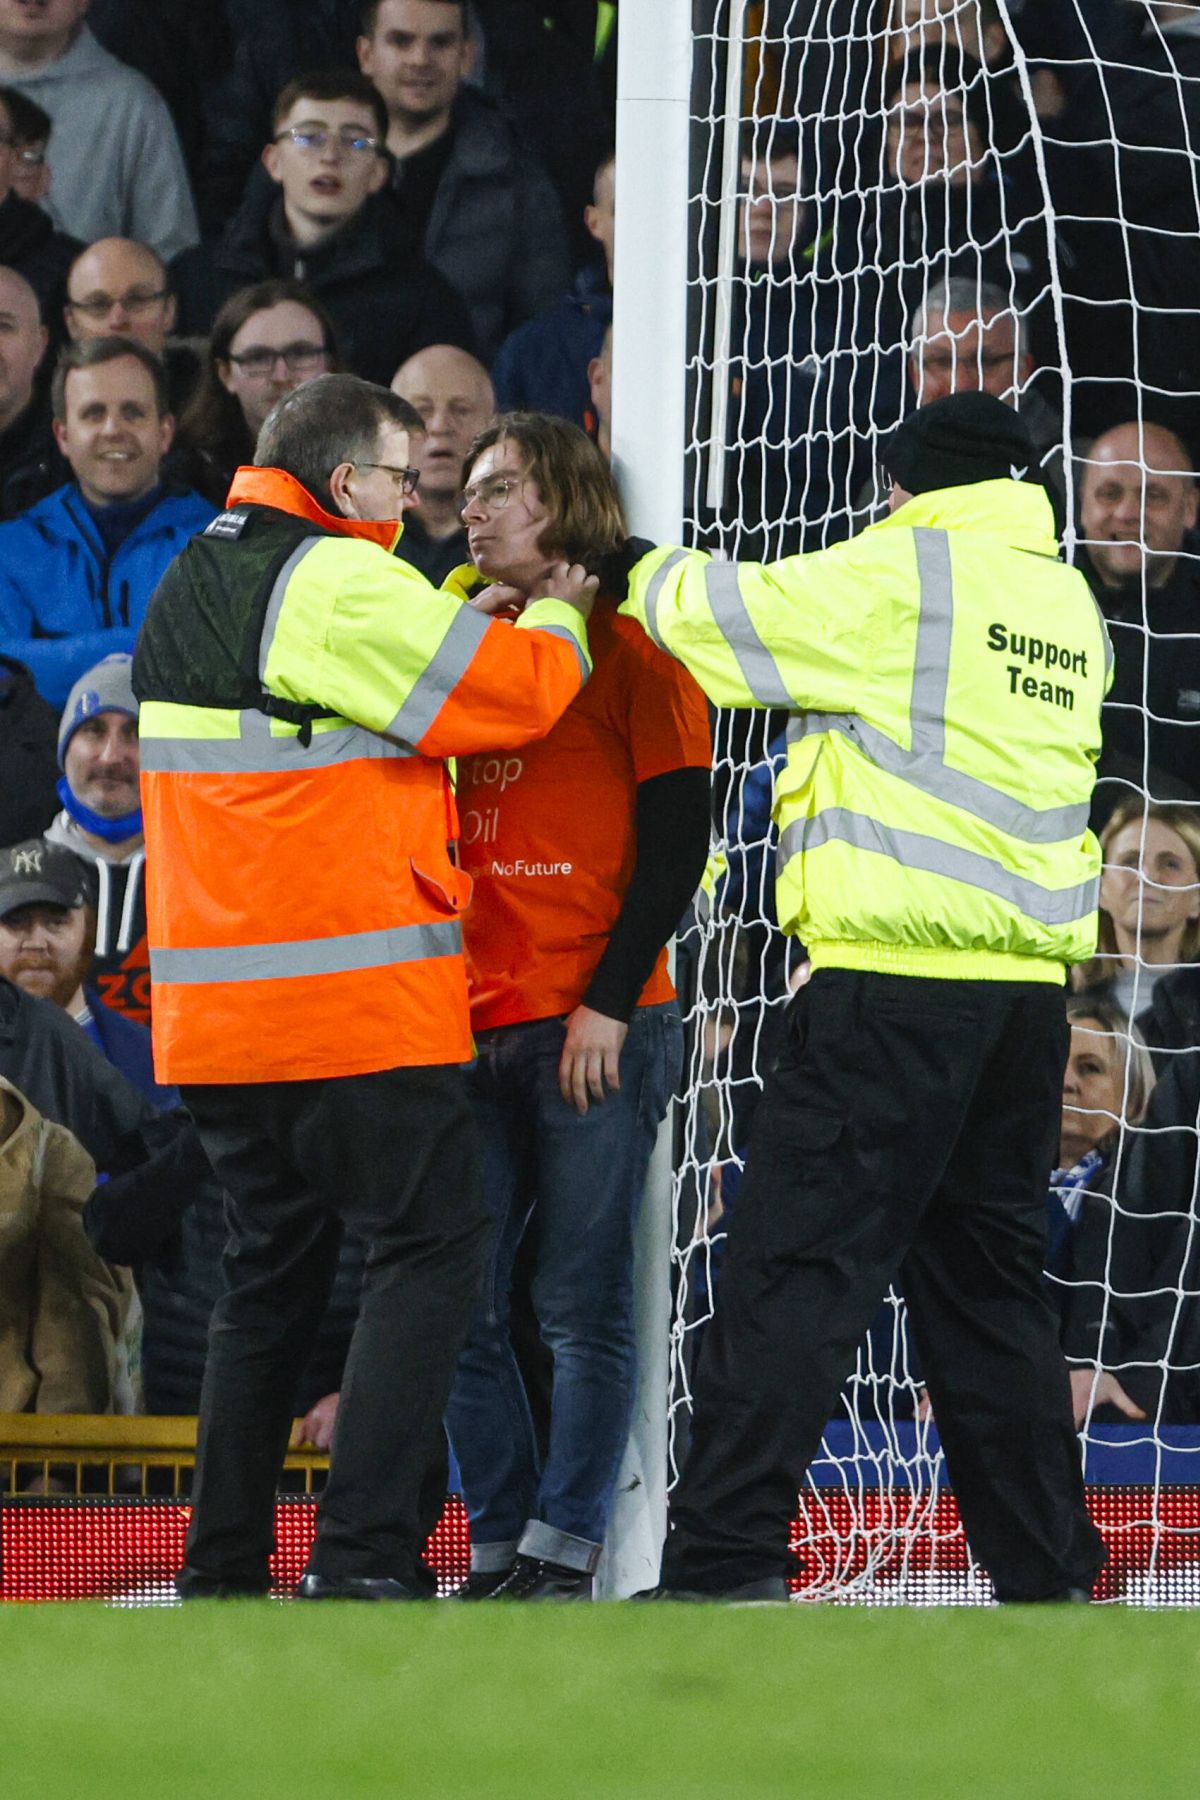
[(809, 1175), (449, 890)]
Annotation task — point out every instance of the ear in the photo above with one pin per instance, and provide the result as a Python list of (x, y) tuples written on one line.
[(379, 175), (1025, 366), (45, 340), (166, 433), (591, 218), (339, 488), (225, 376), (365, 52), (1192, 507), (270, 160), (171, 312), (60, 434)]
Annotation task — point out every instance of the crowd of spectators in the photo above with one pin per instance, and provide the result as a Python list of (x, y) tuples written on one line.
[(202, 209)]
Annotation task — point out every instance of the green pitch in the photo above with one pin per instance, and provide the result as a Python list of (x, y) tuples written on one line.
[(613, 1701)]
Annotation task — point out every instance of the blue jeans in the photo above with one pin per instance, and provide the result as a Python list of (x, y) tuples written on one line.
[(586, 1176)]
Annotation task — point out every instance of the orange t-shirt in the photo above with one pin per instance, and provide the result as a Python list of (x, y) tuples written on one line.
[(549, 831)]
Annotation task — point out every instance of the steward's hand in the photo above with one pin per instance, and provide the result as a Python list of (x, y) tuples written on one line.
[(316, 1427), (591, 1057), (1109, 1392), (499, 601), (570, 582), (615, 569)]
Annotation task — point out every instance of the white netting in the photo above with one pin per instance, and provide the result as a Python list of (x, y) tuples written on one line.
[(889, 201)]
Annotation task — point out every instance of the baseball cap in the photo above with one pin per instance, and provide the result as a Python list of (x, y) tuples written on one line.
[(108, 687), (36, 873)]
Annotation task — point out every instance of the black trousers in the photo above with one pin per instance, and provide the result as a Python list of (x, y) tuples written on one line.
[(394, 1157), (907, 1131)]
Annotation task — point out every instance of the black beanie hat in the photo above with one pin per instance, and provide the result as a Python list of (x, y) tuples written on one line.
[(957, 440)]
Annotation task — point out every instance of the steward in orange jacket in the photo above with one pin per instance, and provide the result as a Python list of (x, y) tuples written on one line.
[(299, 687)]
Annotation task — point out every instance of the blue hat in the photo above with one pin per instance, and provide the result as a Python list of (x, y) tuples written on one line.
[(106, 688)]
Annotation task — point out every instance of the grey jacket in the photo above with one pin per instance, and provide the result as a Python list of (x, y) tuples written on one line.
[(496, 230), (117, 166)]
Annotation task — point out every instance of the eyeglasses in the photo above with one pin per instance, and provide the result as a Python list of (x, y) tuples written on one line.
[(313, 139), (137, 300), (296, 358), (493, 494), (405, 479), (33, 159)]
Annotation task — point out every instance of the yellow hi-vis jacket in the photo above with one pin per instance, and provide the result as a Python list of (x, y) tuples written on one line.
[(946, 672)]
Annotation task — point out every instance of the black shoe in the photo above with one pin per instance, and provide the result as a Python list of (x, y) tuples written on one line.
[(355, 1587), (532, 1579), (1067, 1597), (204, 1587), (771, 1591), (481, 1584)]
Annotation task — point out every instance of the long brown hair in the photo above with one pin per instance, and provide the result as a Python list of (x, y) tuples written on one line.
[(587, 520), (213, 426), (1183, 822)]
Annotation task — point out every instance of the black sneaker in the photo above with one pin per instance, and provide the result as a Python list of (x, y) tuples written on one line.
[(481, 1584), (355, 1587), (770, 1591), (532, 1579)]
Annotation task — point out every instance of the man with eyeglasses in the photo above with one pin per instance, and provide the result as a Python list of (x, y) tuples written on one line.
[(318, 214), (29, 241), (119, 288)]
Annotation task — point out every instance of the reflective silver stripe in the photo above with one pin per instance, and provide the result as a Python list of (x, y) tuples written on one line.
[(654, 588), (933, 777), (568, 636), (924, 765), (913, 850), (442, 674), (759, 668), (275, 602), (935, 625), (310, 956), (259, 753)]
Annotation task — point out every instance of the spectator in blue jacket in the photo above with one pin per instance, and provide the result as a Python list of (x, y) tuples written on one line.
[(543, 365), (78, 569)]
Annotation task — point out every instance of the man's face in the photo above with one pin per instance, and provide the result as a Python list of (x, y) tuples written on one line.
[(39, 24), (101, 764), (276, 350), (601, 216), (329, 182), (418, 57), (376, 488), (928, 136), (505, 517), (964, 354), (117, 289), (771, 216), (45, 950), (1137, 501), (22, 345), (112, 435), (454, 396)]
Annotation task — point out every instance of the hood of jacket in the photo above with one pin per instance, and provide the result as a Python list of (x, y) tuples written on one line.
[(85, 61), (118, 896)]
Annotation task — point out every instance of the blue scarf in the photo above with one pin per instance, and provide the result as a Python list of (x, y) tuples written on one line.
[(113, 831), (1062, 1206)]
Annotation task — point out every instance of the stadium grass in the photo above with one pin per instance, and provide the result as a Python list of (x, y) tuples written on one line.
[(614, 1701)]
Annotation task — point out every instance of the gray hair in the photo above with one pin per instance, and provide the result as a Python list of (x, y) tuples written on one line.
[(960, 294), (331, 420)]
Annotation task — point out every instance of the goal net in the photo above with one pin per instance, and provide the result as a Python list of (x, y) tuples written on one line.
[(891, 200)]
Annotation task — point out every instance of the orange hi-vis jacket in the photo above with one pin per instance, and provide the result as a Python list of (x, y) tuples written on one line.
[(298, 686)]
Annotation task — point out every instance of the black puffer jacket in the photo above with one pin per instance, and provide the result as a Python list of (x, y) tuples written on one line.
[(28, 756), (385, 302), (60, 1071)]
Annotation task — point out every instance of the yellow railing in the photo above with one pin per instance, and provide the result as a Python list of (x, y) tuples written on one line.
[(91, 1453)]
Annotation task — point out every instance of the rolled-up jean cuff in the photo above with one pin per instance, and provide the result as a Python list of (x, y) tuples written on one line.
[(551, 1545), (489, 1559)]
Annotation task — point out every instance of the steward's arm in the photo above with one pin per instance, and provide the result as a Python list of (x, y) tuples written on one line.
[(365, 634), (796, 634)]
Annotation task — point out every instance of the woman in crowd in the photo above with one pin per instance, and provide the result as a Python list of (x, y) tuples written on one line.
[(1095, 1251), (1146, 960), (266, 340)]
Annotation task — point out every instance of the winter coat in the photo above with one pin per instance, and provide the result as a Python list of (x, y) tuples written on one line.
[(542, 366), (63, 603), (31, 464), (117, 165), (121, 963), (384, 302), (61, 1307), (30, 244), (126, 1044), (28, 755), (496, 230)]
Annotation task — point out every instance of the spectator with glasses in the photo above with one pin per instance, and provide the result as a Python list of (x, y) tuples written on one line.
[(119, 288), (266, 340), (31, 127), (29, 241), (318, 215)]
